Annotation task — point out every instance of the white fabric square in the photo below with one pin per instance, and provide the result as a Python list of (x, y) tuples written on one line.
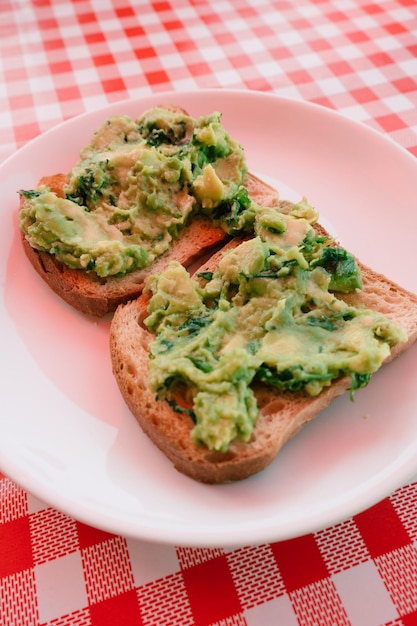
[(34, 504), (290, 38), (48, 112), (364, 596), (309, 60), (365, 22), (349, 52), (173, 59), (402, 14), (331, 86), (151, 561), (212, 53), (92, 103), (372, 77), (399, 103), (277, 611), (356, 112), (184, 84), (250, 46), (60, 587), (409, 67), (389, 43), (328, 30), (228, 78)]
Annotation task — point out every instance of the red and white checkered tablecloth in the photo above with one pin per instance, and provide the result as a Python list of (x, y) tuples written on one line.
[(59, 58)]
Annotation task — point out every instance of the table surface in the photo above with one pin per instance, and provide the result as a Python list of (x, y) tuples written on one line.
[(59, 59)]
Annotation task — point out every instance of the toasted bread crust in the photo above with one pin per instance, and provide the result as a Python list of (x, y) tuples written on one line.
[(281, 414), (90, 294)]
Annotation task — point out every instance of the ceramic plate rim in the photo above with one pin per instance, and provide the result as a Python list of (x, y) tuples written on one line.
[(371, 490)]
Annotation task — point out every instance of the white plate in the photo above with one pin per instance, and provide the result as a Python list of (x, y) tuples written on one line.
[(65, 433)]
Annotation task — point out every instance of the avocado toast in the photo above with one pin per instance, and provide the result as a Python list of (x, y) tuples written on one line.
[(164, 186), (221, 369)]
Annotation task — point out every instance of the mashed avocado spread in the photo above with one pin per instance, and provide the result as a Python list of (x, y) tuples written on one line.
[(135, 186), (269, 313)]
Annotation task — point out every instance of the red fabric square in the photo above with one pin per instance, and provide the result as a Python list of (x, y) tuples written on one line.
[(68, 93), (357, 36), (372, 8), (300, 562), (340, 67), (300, 76), (363, 94), (113, 84), (159, 76), (211, 579), (161, 6), (89, 536), (390, 122), (381, 529), (60, 67), (173, 25), (410, 619), (94, 37), (103, 59), (134, 31), (53, 44), (405, 84), (24, 132), (124, 12), (380, 58), (15, 547), (395, 28), (84, 18), (199, 69), (123, 609), (145, 53)]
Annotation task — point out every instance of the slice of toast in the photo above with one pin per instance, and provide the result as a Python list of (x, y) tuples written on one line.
[(281, 413), (90, 294)]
